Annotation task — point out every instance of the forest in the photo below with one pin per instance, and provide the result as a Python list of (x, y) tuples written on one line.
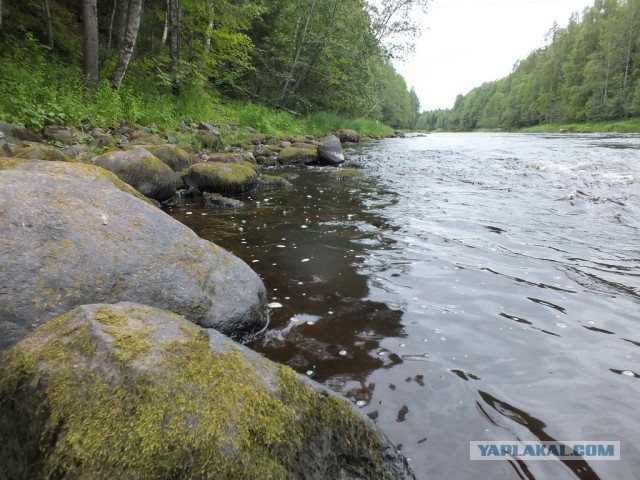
[(171, 61), (587, 72)]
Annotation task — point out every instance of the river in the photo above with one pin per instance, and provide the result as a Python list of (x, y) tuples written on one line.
[(470, 287)]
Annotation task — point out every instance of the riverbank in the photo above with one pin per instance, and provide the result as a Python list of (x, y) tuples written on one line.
[(66, 212), (39, 90), (631, 125)]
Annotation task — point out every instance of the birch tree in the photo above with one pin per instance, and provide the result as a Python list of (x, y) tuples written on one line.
[(90, 34), (128, 42)]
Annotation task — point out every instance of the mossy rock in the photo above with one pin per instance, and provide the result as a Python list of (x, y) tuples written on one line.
[(274, 181), (210, 141), (218, 202), (348, 174), (218, 177), (82, 171), (176, 158), (139, 137), (67, 241), (232, 157), (128, 391), (310, 146), (17, 133), (63, 135), (298, 156), (142, 170), (348, 136), (43, 152)]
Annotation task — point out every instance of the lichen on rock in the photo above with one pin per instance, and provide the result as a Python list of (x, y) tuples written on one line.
[(80, 399)]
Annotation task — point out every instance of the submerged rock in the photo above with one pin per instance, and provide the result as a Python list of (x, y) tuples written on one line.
[(128, 391), (217, 201), (219, 177), (67, 241), (142, 170), (274, 181), (330, 151)]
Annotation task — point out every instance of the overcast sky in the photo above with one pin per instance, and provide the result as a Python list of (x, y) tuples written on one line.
[(468, 42)]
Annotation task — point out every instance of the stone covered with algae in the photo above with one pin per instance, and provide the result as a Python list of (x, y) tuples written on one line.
[(129, 391)]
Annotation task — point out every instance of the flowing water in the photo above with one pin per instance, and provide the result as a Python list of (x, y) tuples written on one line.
[(469, 287)]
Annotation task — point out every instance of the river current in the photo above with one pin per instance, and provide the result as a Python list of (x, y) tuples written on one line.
[(470, 287)]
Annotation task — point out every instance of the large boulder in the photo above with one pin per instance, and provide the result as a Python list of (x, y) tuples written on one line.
[(219, 177), (67, 241), (176, 158), (78, 170), (142, 170), (128, 391), (298, 156), (330, 151)]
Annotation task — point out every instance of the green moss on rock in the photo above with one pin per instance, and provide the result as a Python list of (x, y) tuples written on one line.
[(218, 177), (274, 181), (43, 152), (176, 158), (189, 404), (293, 156)]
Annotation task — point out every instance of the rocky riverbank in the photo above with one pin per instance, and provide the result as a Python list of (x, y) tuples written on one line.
[(155, 387)]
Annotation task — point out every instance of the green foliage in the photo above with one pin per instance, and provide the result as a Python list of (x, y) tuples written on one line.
[(266, 120), (325, 123), (588, 72)]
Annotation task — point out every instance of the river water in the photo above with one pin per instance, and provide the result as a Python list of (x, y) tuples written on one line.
[(468, 287)]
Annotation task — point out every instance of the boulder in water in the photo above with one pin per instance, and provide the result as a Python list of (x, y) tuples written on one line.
[(69, 241)]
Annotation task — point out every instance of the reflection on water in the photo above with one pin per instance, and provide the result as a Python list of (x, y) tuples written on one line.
[(470, 287)]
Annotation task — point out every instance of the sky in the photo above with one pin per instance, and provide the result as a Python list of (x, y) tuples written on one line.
[(465, 43)]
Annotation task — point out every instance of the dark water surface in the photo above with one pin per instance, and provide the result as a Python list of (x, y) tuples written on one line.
[(470, 287)]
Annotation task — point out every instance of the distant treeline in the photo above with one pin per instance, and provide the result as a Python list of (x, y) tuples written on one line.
[(589, 71), (298, 55)]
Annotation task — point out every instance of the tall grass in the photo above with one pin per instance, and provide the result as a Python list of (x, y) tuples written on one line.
[(325, 123)]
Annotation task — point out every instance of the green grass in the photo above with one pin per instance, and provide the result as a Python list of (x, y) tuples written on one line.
[(620, 126), (38, 89), (324, 123)]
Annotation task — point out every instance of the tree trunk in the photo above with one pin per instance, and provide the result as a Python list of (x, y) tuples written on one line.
[(46, 14), (165, 31), (173, 14), (121, 22), (90, 31), (298, 51), (128, 42), (0, 14)]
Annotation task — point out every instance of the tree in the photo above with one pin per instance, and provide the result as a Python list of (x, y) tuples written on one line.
[(394, 24), (90, 34), (128, 42)]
